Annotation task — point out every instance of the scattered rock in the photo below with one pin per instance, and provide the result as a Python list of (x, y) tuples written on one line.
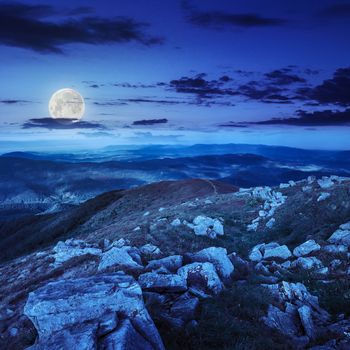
[(325, 182), (150, 251), (323, 196), (306, 248), (171, 263), (206, 226), (340, 237), (176, 222), (255, 254), (202, 276), (335, 248), (118, 258), (71, 248), (185, 307), (306, 320), (154, 282), (70, 311), (308, 263), (271, 223), (126, 338), (281, 252), (218, 257)]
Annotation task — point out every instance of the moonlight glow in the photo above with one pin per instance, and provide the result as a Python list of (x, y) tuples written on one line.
[(67, 103)]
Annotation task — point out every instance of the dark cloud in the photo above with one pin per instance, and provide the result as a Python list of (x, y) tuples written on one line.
[(264, 93), (219, 20), (25, 26), (332, 91), (60, 123), (150, 121), (232, 125), (202, 87), (135, 86), (305, 118), (13, 102), (284, 77), (336, 10), (126, 101)]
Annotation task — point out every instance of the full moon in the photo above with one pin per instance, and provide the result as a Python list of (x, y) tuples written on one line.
[(67, 103)]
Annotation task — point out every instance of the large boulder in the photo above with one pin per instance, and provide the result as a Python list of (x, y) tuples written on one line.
[(340, 237), (71, 248), (126, 338), (154, 282), (185, 307), (82, 337), (335, 248), (307, 263), (306, 248), (118, 258), (281, 253), (150, 251), (281, 321), (218, 257), (257, 252), (66, 305), (206, 226), (171, 263), (202, 277), (305, 314), (325, 182), (255, 255)]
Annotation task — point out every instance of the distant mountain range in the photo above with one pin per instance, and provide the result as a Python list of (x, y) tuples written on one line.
[(39, 182)]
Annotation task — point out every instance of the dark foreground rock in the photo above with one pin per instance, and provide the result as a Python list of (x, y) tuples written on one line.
[(78, 314)]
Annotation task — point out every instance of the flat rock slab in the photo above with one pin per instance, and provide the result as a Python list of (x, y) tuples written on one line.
[(154, 282), (67, 304)]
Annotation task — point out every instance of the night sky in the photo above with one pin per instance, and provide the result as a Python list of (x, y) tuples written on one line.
[(162, 72)]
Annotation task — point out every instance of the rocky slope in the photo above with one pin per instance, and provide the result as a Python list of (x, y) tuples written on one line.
[(186, 265)]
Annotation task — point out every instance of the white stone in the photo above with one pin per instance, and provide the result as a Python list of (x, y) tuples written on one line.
[(325, 182), (323, 196), (64, 251), (281, 252), (255, 255), (340, 237), (69, 306), (218, 257), (153, 282), (176, 222), (118, 257), (206, 226), (345, 226), (307, 189), (202, 276), (307, 263), (271, 223), (253, 227), (311, 179), (306, 248), (283, 185), (150, 249), (335, 248)]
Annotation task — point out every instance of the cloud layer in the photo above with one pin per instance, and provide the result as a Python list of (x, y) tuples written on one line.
[(28, 26), (60, 123)]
